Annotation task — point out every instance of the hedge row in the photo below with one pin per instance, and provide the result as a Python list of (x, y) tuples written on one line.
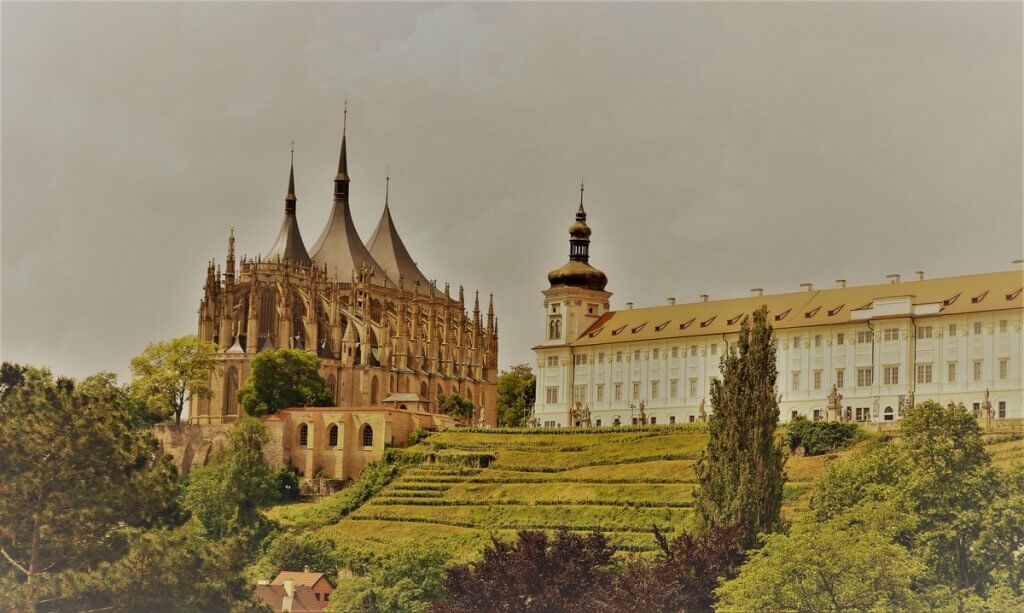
[(448, 502), (365, 516), (404, 486), (406, 494), (599, 462), (657, 429)]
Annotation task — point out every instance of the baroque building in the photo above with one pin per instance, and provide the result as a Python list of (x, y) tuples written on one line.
[(378, 325), (850, 353)]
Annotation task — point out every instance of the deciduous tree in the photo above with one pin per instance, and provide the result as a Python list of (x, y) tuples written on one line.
[(458, 407), (516, 394), (168, 372), (283, 378)]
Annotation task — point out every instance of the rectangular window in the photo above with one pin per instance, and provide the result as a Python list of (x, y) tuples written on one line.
[(654, 389), (977, 328), (924, 373), (1002, 409), (1004, 368), (552, 361), (636, 355), (817, 379), (618, 391), (1002, 326), (863, 337), (600, 358), (600, 392), (597, 423), (654, 420), (977, 370), (951, 372), (580, 359), (673, 388), (924, 332), (796, 342), (952, 330), (675, 352), (693, 351), (796, 380), (579, 392), (552, 395), (693, 388), (840, 338), (892, 375), (671, 419), (657, 354), (891, 334), (817, 340), (840, 378), (714, 348), (636, 391), (618, 357), (865, 377)]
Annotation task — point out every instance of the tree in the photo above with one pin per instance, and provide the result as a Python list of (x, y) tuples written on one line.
[(516, 394), (535, 573), (168, 372), (73, 472), (283, 378), (403, 580), (741, 470), (292, 551), (458, 407), (683, 576), (227, 495), (821, 567)]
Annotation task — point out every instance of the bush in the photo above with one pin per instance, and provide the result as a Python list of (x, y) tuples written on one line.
[(818, 437)]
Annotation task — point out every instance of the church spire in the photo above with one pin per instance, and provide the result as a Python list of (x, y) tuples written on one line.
[(229, 270), (290, 199), (341, 180)]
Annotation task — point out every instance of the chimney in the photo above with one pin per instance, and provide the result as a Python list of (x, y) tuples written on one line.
[(840, 282), (629, 306), (757, 291), (920, 275), (703, 297), (305, 569), (671, 300), (893, 278), (807, 286)]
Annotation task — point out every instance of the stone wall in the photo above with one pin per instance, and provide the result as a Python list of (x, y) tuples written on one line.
[(191, 445)]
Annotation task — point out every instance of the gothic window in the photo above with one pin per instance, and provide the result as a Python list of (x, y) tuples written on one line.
[(373, 390), (303, 435), (332, 435), (423, 389), (367, 436), (230, 389), (440, 392), (332, 385)]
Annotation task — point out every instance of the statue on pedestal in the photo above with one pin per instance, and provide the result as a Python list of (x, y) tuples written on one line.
[(835, 399), (703, 412)]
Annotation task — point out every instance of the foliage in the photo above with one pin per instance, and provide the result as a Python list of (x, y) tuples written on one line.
[(373, 478), (456, 406), (824, 567), (683, 576), (287, 483), (535, 573), (283, 378), (168, 372), (226, 496), (408, 580), (292, 551), (741, 470), (73, 472), (818, 437), (516, 393)]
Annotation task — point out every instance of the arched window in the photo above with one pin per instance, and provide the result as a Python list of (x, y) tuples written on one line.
[(303, 435), (423, 389), (367, 436), (230, 389), (332, 385), (332, 435), (888, 414), (373, 390), (440, 392)]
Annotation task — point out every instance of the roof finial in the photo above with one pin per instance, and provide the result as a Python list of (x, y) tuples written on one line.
[(289, 199), (387, 186), (343, 156), (581, 193)]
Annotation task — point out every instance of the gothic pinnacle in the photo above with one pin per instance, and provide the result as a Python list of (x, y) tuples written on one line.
[(290, 199)]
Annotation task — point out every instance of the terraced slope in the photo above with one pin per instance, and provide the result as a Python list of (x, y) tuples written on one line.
[(622, 482)]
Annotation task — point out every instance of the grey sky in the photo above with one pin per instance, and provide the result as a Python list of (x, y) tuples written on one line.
[(725, 146)]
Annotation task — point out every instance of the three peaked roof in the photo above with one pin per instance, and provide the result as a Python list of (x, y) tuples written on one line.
[(387, 248), (289, 245)]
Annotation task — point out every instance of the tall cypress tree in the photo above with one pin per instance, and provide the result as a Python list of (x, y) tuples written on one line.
[(741, 470)]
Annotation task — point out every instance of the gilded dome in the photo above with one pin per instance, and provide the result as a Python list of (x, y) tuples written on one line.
[(578, 274)]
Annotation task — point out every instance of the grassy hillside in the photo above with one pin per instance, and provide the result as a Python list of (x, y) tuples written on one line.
[(621, 482)]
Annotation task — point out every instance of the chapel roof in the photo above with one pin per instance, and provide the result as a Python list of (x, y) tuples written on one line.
[(288, 245), (388, 250)]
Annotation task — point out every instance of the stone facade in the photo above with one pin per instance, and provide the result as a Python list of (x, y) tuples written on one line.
[(376, 322)]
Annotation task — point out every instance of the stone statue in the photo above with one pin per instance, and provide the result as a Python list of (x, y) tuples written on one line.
[(643, 415), (835, 399), (987, 408), (703, 411)]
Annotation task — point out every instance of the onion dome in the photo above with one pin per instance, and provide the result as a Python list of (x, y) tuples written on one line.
[(578, 272)]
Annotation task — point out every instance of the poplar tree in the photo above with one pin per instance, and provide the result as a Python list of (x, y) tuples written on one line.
[(741, 469)]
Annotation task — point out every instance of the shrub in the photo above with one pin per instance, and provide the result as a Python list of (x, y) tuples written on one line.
[(818, 437)]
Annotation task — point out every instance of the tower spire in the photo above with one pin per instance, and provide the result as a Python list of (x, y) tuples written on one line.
[(290, 199), (581, 210), (229, 272), (341, 180), (387, 187)]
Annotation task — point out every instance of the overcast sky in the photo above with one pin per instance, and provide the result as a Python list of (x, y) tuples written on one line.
[(724, 146)]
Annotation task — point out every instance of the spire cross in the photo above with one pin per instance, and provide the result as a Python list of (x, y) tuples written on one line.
[(344, 120)]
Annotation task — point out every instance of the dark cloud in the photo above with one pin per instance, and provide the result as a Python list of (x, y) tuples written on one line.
[(725, 146)]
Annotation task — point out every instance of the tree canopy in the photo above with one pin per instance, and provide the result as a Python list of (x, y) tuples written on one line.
[(168, 372), (516, 394), (741, 470), (282, 378), (458, 407)]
